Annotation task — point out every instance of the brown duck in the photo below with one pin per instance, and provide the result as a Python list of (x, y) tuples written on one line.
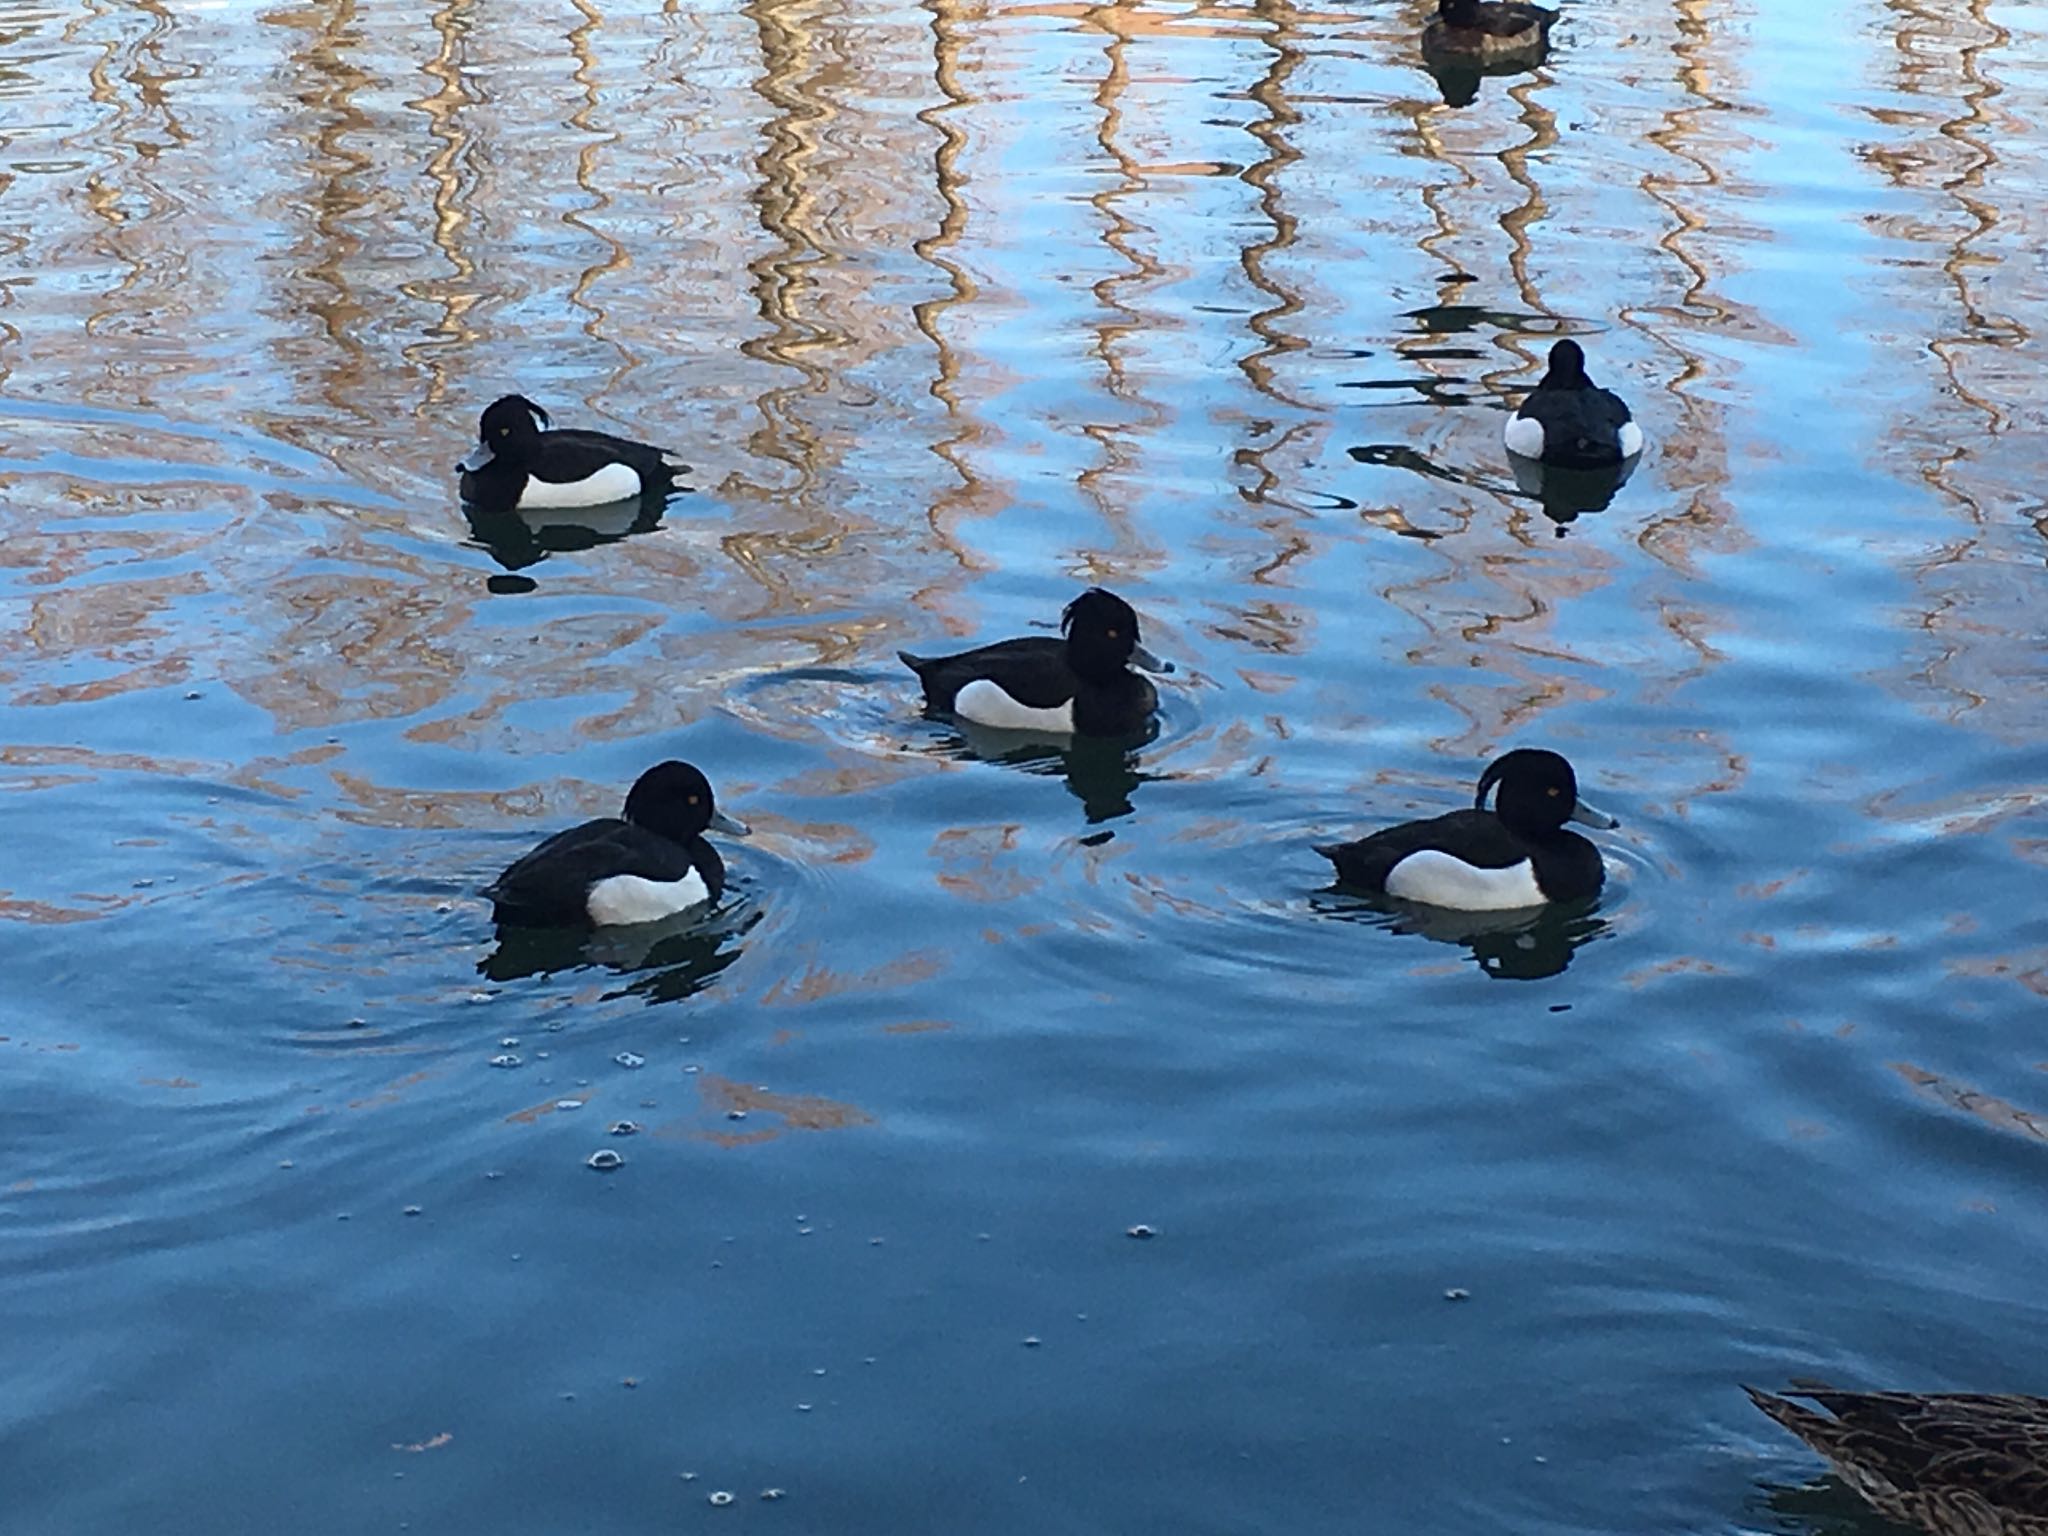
[(1952, 1463)]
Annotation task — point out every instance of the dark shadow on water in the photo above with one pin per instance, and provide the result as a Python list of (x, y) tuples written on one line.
[(1565, 494), (669, 960), (1462, 319), (518, 539), (1401, 456), (1525, 945), (1102, 773), (1828, 1507)]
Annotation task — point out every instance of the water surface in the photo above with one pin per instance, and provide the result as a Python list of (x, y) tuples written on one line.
[(954, 310)]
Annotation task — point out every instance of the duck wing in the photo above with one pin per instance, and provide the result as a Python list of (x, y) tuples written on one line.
[(1477, 837), (1033, 671), (1513, 19), (1580, 426), (549, 884), (576, 453)]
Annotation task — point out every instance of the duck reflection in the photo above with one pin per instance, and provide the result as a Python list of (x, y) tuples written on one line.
[(1525, 945), (1472, 39), (1101, 772), (1565, 494), (517, 539), (1457, 80), (675, 958)]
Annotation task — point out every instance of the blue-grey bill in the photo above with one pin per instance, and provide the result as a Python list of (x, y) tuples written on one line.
[(476, 458), (1145, 661), (720, 822), (1593, 816)]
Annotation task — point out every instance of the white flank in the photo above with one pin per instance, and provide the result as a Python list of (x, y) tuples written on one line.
[(985, 703), (1631, 439), (1440, 879), (615, 482), (1524, 435), (627, 899)]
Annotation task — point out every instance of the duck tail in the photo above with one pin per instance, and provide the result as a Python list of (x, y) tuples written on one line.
[(1329, 851), (673, 464), (915, 663), (1816, 1430)]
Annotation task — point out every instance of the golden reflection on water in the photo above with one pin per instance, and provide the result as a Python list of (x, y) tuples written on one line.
[(1969, 437), (777, 237)]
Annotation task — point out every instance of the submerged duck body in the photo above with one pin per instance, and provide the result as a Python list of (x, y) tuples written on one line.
[(1570, 422), (647, 864), (1080, 684), (1951, 1463), (1478, 32), (1516, 855), (519, 463)]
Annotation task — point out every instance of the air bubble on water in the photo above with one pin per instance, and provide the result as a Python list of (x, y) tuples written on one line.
[(506, 1060), (721, 1498), (630, 1060), (480, 997), (604, 1160), (735, 1114), (625, 1128), (510, 1043)]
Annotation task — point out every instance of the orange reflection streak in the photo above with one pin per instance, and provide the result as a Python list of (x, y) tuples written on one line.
[(1263, 176), (785, 205), (456, 294), (1692, 452), (1113, 439), (615, 259), (970, 497), (328, 83), (1977, 648)]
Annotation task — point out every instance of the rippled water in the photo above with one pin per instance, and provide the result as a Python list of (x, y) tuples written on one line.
[(954, 310)]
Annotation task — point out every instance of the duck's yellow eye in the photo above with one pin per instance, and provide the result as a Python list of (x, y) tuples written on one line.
[(504, 431), (1111, 633), (693, 799), (1553, 791)]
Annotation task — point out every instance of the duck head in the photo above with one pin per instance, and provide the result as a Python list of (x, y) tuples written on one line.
[(1102, 636), (1567, 367), (674, 799), (509, 427), (1539, 793)]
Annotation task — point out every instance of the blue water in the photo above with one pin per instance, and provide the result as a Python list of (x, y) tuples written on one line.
[(954, 312)]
